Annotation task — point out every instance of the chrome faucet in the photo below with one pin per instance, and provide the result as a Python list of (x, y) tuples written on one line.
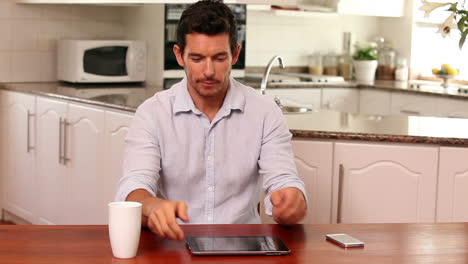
[(263, 86)]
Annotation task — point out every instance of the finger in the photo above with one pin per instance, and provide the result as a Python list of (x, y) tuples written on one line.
[(174, 226), (154, 225), (182, 211), (275, 198), (164, 227)]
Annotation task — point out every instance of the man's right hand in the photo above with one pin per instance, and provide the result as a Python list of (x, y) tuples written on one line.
[(160, 215)]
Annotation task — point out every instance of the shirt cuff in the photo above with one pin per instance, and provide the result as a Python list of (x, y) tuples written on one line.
[(269, 205), (128, 188)]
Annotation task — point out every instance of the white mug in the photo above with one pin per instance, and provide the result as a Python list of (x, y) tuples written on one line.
[(124, 228)]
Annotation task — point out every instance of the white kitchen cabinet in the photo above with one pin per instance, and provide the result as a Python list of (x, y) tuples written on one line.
[(452, 107), (314, 164), (305, 97), (53, 181), (385, 8), (18, 154), (374, 102), (384, 183), (341, 99), (452, 197), (413, 104), (71, 184), (131, 2), (117, 125)]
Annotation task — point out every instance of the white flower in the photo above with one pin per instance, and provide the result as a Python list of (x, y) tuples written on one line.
[(428, 7), (445, 28)]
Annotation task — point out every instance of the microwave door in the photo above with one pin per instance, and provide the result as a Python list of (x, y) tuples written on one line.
[(108, 61)]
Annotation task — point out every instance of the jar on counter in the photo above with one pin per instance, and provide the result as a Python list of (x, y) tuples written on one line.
[(330, 64), (345, 66), (315, 64), (386, 66), (402, 71)]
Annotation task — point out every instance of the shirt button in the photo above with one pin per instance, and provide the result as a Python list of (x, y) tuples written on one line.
[(211, 188), (210, 218), (210, 158)]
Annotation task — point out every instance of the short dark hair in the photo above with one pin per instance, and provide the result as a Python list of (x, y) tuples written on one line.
[(210, 17)]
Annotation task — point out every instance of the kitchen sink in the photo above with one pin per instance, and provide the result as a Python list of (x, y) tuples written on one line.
[(296, 110)]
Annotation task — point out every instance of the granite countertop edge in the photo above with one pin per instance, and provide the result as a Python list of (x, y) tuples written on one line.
[(370, 137)]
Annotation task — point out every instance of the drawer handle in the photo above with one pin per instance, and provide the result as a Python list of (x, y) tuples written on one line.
[(409, 112), (340, 193), (28, 134)]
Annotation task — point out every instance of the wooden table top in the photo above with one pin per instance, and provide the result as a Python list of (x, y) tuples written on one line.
[(385, 243)]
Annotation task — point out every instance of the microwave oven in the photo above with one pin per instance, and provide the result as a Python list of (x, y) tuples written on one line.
[(101, 61)]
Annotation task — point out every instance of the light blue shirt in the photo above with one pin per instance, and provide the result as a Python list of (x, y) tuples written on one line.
[(218, 168)]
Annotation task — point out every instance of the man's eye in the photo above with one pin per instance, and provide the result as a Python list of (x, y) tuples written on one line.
[(221, 58), (196, 59)]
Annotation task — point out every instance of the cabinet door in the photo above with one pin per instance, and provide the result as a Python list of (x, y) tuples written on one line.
[(19, 154), (305, 97), (386, 8), (84, 149), (413, 104), (52, 175), (452, 197), (117, 125), (314, 166), (450, 107), (383, 183), (341, 99), (374, 102)]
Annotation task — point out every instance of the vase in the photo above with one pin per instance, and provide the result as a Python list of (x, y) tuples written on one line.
[(365, 70)]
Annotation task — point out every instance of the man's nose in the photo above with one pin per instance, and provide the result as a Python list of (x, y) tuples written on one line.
[(209, 68)]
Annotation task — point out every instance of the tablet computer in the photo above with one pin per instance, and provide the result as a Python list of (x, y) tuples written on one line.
[(236, 245)]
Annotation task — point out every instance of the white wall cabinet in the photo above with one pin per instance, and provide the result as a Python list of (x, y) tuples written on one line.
[(18, 154), (377, 183), (314, 164), (386, 8), (452, 203)]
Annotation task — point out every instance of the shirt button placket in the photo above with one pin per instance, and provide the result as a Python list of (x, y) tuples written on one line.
[(209, 161)]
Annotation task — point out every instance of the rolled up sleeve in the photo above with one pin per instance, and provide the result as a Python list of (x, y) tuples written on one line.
[(142, 157), (276, 163)]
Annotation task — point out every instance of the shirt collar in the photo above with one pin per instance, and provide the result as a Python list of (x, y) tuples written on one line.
[(235, 98)]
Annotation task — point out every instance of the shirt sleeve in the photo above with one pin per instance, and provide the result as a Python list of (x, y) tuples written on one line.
[(142, 156), (276, 163)]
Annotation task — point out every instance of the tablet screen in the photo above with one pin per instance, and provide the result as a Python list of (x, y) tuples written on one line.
[(236, 245)]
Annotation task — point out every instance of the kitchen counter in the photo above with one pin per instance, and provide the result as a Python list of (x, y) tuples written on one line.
[(321, 124), (384, 243)]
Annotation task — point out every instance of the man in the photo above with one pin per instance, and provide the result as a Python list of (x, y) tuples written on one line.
[(199, 151)]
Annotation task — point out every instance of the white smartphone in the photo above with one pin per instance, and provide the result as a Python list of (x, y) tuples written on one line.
[(345, 240)]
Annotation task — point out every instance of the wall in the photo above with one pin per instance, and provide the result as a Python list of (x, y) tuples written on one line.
[(28, 35), (297, 37), (147, 23)]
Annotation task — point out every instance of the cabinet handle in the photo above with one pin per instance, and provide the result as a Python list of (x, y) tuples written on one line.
[(64, 155), (409, 112), (340, 193), (28, 145), (60, 141)]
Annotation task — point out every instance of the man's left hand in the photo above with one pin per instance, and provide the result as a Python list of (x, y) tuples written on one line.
[(289, 206)]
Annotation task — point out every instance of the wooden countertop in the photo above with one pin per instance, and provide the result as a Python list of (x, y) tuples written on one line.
[(384, 243)]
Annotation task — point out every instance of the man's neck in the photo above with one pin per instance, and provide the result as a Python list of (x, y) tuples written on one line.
[(208, 105)]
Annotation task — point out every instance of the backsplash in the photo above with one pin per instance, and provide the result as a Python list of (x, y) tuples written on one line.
[(296, 37), (28, 35)]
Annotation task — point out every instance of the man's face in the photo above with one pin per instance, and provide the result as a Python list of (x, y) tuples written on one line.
[(207, 61)]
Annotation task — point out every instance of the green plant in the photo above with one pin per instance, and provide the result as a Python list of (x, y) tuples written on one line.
[(365, 51), (458, 13)]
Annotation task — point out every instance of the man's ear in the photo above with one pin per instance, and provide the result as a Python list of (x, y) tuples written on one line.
[(178, 54), (235, 56)]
